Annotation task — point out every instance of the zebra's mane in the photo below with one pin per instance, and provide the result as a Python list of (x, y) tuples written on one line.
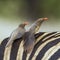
[(44, 41)]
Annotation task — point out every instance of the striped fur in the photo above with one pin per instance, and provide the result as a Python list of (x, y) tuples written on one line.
[(47, 47)]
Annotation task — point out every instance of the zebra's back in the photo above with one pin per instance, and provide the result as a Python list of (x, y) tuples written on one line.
[(47, 47)]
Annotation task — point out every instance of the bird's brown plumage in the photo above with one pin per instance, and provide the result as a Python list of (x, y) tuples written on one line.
[(17, 33)]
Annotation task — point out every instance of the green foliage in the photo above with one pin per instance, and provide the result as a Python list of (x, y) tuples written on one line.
[(35, 8)]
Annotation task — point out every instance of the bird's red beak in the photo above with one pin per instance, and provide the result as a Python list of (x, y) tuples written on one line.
[(26, 23), (45, 18)]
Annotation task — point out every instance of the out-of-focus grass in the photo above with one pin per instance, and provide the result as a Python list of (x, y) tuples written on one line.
[(8, 8)]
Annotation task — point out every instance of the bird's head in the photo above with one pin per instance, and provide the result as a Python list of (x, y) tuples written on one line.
[(23, 24), (40, 20)]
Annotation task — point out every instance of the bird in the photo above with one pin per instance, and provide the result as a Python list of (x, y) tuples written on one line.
[(29, 37), (29, 42), (17, 33), (36, 25)]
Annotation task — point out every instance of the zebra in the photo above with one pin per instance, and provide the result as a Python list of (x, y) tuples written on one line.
[(47, 47)]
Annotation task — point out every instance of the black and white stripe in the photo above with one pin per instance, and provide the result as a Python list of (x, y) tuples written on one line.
[(47, 47)]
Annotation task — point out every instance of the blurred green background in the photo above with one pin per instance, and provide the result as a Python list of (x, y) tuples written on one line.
[(14, 12)]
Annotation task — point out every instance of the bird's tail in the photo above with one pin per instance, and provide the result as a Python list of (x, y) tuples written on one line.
[(9, 43)]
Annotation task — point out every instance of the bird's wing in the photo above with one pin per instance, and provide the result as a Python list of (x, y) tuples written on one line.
[(18, 33), (35, 27)]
